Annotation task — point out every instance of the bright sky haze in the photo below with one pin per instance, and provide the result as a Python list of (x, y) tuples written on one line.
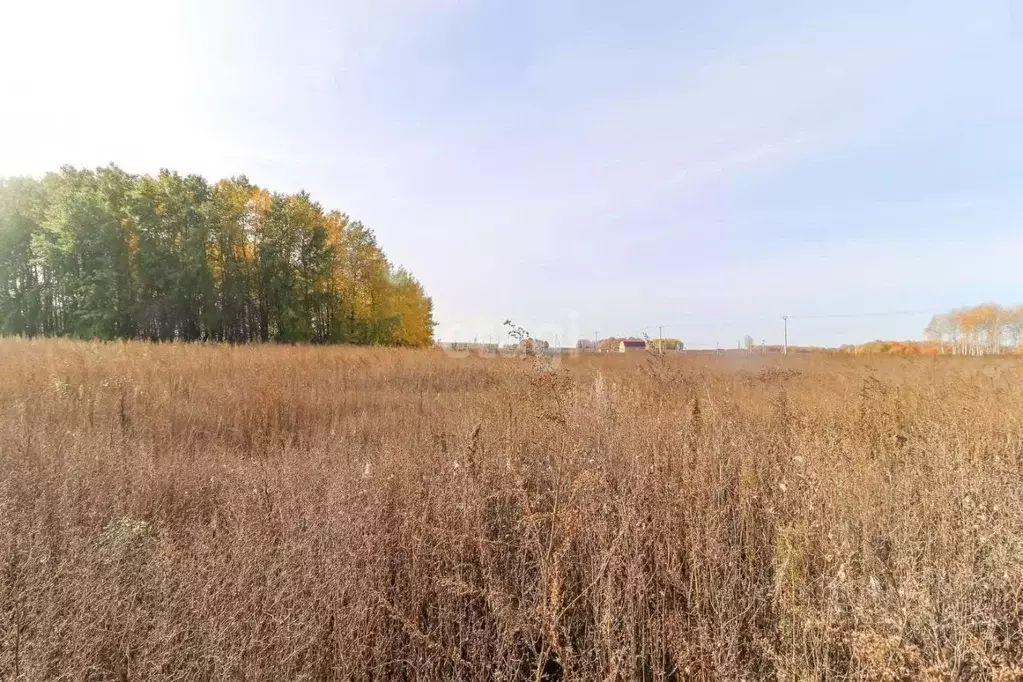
[(578, 166)]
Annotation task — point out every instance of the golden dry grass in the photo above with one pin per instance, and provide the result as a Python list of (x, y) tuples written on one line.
[(172, 512)]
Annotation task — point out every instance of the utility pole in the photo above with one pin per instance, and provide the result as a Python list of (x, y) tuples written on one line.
[(660, 339), (785, 348)]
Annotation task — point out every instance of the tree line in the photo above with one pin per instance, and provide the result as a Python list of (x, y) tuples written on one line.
[(978, 330), (611, 343), (109, 255)]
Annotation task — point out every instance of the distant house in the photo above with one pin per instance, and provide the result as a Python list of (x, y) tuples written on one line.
[(531, 345), (626, 345), (470, 347)]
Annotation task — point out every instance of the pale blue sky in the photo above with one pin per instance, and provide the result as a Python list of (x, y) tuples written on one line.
[(578, 166)]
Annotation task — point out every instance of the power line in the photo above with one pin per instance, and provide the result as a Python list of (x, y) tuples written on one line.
[(761, 320), (723, 323), (893, 313), (749, 320)]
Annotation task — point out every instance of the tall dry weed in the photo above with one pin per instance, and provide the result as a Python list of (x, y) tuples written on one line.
[(265, 513)]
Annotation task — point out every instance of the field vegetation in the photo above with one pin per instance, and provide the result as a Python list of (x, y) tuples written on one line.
[(214, 512)]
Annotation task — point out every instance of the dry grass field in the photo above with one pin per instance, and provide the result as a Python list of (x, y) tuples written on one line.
[(190, 512)]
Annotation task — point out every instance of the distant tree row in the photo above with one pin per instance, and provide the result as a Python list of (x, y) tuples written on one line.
[(611, 343), (104, 254), (893, 348), (982, 329)]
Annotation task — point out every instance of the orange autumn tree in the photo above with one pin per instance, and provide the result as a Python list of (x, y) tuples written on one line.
[(979, 330)]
